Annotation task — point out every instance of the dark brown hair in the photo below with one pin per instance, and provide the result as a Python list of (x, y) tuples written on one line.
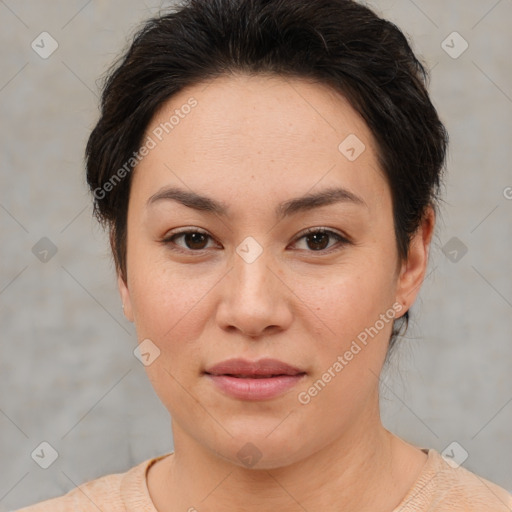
[(340, 43)]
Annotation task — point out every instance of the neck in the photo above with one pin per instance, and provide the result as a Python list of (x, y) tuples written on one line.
[(356, 471)]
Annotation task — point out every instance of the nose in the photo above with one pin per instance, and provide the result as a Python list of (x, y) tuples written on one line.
[(255, 299)]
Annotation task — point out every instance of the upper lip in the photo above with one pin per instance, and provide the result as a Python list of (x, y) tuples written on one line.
[(262, 367)]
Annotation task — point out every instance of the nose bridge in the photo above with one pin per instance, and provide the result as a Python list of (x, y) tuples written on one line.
[(253, 297), (251, 277)]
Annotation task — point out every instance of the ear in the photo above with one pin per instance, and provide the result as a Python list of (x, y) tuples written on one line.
[(414, 268), (125, 297)]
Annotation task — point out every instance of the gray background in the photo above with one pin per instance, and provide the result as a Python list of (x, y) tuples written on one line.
[(68, 373)]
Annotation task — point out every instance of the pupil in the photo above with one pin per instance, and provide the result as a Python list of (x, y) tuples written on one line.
[(195, 240), (319, 241)]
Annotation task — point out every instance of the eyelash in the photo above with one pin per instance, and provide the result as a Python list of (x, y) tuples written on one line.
[(169, 241)]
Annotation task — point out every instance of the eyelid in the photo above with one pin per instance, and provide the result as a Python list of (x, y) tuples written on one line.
[(322, 229), (186, 229)]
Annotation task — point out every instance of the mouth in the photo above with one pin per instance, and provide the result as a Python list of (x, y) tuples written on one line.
[(262, 369), (254, 380), (251, 376)]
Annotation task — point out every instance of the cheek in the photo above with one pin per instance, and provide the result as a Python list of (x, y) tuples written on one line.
[(350, 339), (171, 309), (348, 299), (173, 303), (169, 303)]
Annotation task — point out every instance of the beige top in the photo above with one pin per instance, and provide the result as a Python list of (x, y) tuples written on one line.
[(439, 488)]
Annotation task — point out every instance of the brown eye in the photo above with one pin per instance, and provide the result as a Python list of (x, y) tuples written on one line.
[(195, 240), (317, 240), (191, 240)]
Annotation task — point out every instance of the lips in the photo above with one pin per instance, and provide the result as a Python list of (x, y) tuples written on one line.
[(264, 368), (254, 380)]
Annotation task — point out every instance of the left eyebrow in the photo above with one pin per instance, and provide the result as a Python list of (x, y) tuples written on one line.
[(285, 209), (322, 198)]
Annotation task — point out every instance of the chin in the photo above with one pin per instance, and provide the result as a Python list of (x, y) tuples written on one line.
[(258, 451)]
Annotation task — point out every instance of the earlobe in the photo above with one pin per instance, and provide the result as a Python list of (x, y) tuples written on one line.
[(125, 297), (414, 267)]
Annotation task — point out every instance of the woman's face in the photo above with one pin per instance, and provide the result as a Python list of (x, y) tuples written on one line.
[(247, 169)]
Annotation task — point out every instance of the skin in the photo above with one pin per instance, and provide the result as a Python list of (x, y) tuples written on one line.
[(253, 142)]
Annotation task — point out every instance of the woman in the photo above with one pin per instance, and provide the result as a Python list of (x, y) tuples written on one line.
[(268, 171)]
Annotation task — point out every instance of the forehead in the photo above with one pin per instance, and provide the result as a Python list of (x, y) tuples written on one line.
[(266, 133)]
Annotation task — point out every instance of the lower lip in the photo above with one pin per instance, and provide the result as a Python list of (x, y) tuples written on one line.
[(255, 389)]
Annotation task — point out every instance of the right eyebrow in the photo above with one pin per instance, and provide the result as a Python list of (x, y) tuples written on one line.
[(190, 199)]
